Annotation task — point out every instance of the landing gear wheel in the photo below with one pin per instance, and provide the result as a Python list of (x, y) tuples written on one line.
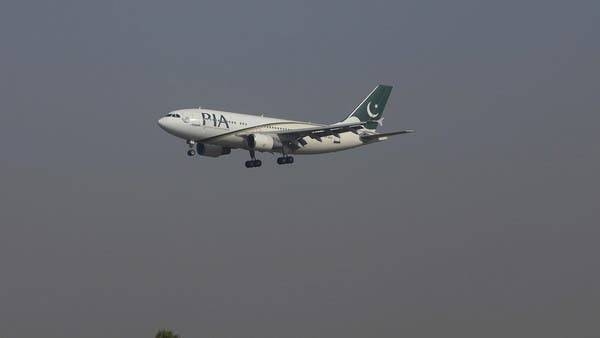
[(191, 152), (285, 160), (253, 163)]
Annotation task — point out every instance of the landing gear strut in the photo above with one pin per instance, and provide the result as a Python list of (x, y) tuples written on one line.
[(253, 163)]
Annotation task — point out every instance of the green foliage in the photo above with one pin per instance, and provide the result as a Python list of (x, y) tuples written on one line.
[(164, 333)]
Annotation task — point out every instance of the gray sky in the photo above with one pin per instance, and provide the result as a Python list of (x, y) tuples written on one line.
[(482, 224)]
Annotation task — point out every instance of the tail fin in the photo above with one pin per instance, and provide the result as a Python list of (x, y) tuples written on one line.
[(370, 110)]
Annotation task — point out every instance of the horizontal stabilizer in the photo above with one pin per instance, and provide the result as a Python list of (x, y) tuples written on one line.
[(370, 137)]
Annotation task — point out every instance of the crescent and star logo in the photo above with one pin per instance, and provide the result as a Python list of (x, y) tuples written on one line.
[(373, 115)]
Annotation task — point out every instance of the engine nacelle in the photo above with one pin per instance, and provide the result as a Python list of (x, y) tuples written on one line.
[(212, 150), (262, 142)]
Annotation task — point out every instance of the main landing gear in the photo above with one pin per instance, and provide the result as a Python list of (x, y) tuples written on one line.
[(253, 163), (285, 160)]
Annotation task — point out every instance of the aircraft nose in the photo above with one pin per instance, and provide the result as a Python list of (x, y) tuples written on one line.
[(162, 122)]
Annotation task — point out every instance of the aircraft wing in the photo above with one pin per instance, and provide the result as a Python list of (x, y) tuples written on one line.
[(321, 131)]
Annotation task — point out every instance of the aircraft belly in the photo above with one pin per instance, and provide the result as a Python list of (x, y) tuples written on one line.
[(326, 144)]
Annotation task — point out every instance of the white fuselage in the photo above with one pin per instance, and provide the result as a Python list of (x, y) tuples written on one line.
[(224, 129)]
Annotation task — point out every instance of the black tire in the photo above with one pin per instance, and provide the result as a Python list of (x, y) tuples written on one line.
[(191, 152), (249, 164), (257, 163), (281, 160), (289, 160)]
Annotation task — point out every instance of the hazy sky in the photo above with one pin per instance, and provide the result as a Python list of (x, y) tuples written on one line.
[(485, 223)]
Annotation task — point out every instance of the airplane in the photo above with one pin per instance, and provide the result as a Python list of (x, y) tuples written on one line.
[(215, 133)]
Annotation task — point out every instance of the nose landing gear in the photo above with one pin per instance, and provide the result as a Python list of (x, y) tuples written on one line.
[(191, 144)]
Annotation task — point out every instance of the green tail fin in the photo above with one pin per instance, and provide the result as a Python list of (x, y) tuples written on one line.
[(371, 108)]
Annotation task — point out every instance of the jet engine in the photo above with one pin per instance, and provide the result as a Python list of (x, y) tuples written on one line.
[(262, 142), (212, 150)]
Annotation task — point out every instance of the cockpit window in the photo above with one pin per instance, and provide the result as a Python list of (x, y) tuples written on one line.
[(173, 115)]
